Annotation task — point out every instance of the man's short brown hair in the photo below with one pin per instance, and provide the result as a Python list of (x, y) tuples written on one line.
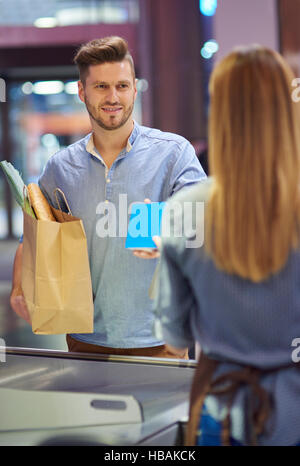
[(107, 50)]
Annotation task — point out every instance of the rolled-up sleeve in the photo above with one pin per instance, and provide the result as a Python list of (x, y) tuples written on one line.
[(187, 170)]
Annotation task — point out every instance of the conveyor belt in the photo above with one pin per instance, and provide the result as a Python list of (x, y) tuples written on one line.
[(113, 400)]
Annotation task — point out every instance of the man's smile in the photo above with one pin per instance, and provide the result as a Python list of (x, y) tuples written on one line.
[(111, 110)]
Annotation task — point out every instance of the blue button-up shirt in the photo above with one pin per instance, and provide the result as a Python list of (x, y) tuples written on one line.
[(154, 165)]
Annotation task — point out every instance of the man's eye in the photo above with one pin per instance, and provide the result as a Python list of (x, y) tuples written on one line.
[(100, 86), (123, 86)]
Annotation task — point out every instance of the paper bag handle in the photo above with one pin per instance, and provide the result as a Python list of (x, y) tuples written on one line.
[(64, 197)]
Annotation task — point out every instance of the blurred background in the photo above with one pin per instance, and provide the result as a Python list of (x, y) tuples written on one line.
[(175, 44)]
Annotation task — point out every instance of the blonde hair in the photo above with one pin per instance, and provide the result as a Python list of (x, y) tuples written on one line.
[(253, 213)]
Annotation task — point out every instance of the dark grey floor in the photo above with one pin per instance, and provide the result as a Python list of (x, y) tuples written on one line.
[(13, 329)]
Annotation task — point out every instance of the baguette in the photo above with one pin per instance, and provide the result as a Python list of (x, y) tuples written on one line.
[(39, 203)]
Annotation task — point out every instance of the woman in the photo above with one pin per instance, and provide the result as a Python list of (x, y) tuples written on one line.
[(238, 296)]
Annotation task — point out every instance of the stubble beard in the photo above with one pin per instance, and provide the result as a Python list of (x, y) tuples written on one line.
[(92, 111)]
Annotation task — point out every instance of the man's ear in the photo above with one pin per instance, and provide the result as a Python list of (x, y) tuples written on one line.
[(81, 91), (135, 87)]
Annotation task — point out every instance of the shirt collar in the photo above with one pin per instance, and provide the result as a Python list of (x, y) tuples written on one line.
[(90, 146)]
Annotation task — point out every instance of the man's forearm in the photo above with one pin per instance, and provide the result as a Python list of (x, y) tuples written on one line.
[(17, 300), (17, 269)]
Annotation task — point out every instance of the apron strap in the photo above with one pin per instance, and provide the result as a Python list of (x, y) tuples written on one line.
[(200, 387), (260, 399)]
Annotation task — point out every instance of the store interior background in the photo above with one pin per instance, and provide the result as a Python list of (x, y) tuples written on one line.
[(175, 44)]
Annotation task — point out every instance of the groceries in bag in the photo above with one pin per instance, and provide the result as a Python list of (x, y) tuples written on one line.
[(56, 280)]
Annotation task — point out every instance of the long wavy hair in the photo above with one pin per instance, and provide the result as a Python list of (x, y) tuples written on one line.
[(252, 219)]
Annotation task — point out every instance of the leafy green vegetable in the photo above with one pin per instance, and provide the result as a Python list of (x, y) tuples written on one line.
[(17, 186)]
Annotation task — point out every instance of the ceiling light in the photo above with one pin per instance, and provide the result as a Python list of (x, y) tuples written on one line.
[(71, 87), (211, 46), (208, 7), (48, 87), (205, 53), (46, 22), (27, 88)]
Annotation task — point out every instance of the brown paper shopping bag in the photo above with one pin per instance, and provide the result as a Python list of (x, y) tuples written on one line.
[(56, 279)]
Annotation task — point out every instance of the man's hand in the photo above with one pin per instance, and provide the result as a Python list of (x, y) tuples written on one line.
[(179, 352), (18, 304), (152, 253)]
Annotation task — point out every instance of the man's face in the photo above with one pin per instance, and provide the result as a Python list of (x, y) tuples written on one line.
[(109, 93)]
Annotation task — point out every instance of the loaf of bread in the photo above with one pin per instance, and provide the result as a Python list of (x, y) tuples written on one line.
[(39, 203)]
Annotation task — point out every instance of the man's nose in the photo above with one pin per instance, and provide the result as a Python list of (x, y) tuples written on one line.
[(112, 95)]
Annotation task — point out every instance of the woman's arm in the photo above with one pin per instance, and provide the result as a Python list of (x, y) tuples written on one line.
[(174, 302)]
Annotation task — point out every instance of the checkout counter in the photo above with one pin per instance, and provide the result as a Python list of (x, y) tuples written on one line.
[(52, 397)]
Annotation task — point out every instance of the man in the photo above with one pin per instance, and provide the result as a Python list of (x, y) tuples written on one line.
[(120, 160)]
